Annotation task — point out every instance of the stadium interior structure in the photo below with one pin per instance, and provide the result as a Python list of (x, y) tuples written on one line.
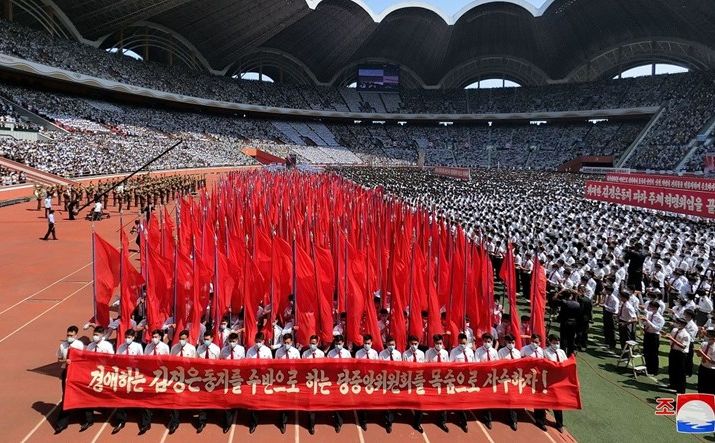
[(100, 87)]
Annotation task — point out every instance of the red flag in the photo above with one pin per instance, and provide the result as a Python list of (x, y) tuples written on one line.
[(131, 281), (356, 294), (106, 277), (508, 275), (538, 300), (223, 288), (184, 291), (305, 292), (434, 324), (282, 274), (253, 287), (160, 290), (326, 276)]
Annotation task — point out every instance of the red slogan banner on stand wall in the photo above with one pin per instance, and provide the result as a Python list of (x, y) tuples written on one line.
[(697, 203), (664, 181), (99, 380)]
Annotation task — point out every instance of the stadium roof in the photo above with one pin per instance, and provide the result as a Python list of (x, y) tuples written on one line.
[(323, 41)]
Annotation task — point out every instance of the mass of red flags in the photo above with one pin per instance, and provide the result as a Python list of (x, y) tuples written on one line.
[(130, 282), (508, 275), (262, 247), (538, 300)]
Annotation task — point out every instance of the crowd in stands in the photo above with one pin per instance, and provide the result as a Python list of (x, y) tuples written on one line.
[(9, 177), (688, 101)]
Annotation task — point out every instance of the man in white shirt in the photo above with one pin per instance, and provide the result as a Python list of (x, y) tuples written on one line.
[(692, 328), (392, 354), (464, 354), (232, 351), (50, 225), (186, 350), (261, 351), (365, 353), (338, 351), (101, 345), (653, 323), (72, 342), (313, 352), (155, 347), (210, 351), (627, 319), (554, 353), (97, 211), (129, 347), (286, 352), (415, 355), (610, 309), (486, 353), (438, 354), (48, 204), (677, 357), (509, 352)]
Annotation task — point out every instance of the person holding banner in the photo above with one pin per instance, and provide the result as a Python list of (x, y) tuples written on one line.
[(415, 355), (101, 345), (486, 352), (210, 351), (338, 351), (286, 352), (366, 353), (553, 353), (509, 352), (392, 354), (259, 351), (436, 354), (313, 351), (62, 358), (129, 347), (232, 351), (462, 353), (155, 347), (181, 349)]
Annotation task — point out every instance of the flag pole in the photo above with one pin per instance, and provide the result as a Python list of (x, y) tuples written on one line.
[(94, 277)]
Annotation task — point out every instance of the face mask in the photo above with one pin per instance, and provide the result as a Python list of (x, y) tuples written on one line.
[(367, 346), (555, 346), (207, 342), (287, 345), (413, 347), (391, 348), (222, 327), (509, 346), (463, 346), (313, 346), (339, 347), (70, 340), (155, 340), (534, 346), (488, 345), (128, 340), (437, 347), (259, 344), (233, 344), (182, 342), (96, 338)]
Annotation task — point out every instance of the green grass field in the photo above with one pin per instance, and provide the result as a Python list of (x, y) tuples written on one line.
[(617, 407)]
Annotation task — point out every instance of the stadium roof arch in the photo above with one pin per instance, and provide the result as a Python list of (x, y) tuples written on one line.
[(317, 40)]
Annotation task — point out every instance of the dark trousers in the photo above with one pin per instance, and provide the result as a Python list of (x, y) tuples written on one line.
[(609, 333), (651, 345), (203, 416), (50, 230), (311, 420), (513, 416), (526, 284), (252, 419), (487, 416), (283, 419), (676, 370), (389, 417), (582, 335), (144, 417), (625, 333), (229, 416), (689, 361), (337, 419), (706, 380), (540, 417), (362, 417), (568, 337)]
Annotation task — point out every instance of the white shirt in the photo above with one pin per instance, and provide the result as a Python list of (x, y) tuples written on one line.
[(213, 351), (51, 218), (395, 355), (611, 304), (236, 353), (461, 355), (559, 355), (309, 353), (102, 346), (705, 304), (626, 312), (529, 352), (432, 354), (48, 202), (506, 354), (64, 348), (161, 349), (367, 355), (413, 356), (654, 322), (188, 350), (343, 353), (290, 354), (98, 207), (484, 354), (262, 352), (132, 348), (681, 335)]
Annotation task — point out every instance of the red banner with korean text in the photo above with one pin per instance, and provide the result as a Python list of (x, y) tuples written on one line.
[(681, 182), (96, 380), (460, 173), (701, 204)]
